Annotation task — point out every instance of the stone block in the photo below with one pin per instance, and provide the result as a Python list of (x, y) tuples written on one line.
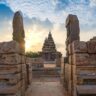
[(10, 89), (69, 49), (81, 59), (79, 47), (9, 47), (23, 87), (9, 79), (91, 47), (10, 69), (23, 59), (24, 68), (10, 59), (92, 59), (70, 59)]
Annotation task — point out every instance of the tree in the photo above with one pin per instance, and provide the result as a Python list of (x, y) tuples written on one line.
[(32, 54)]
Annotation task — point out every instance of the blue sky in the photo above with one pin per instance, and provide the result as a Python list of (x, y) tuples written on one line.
[(40, 16)]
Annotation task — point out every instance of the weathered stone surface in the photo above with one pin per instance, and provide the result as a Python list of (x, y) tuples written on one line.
[(30, 77), (10, 89), (69, 50), (79, 47), (91, 47), (9, 47), (28, 60), (72, 25), (70, 59), (23, 59), (86, 89), (9, 79), (18, 30), (10, 69), (92, 59), (10, 59), (81, 59)]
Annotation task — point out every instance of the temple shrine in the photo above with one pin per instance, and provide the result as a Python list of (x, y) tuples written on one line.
[(49, 51)]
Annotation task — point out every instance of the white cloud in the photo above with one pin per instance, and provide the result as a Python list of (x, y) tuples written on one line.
[(33, 8), (46, 9), (86, 36), (92, 3)]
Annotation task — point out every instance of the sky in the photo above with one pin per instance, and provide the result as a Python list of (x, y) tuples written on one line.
[(42, 16)]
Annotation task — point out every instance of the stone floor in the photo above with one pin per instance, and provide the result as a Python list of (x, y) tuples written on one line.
[(46, 87)]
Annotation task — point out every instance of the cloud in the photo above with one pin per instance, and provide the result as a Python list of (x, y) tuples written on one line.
[(40, 16), (5, 23), (87, 35), (84, 9), (56, 10), (32, 8), (36, 21), (93, 3)]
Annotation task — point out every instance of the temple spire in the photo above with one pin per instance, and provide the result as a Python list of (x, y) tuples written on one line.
[(49, 44)]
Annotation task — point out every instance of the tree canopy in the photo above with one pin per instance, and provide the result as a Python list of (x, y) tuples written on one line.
[(33, 54)]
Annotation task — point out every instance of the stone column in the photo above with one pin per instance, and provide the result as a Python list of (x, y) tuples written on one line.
[(73, 30), (18, 30)]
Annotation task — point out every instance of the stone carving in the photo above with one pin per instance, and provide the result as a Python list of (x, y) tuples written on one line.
[(18, 30)]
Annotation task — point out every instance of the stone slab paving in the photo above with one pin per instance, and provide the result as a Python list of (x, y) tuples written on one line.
[(46, 88)]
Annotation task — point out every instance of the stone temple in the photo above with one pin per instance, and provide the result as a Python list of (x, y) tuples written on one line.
[(49, 52)]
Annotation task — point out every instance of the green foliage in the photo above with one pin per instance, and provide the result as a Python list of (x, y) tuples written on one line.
[(32, 54)]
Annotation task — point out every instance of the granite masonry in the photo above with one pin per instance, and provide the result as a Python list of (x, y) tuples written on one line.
[(16, 68), (80, 65)]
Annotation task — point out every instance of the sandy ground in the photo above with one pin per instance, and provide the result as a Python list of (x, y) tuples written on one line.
[(46, 86)]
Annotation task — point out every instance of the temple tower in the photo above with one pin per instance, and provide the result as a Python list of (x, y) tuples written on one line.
[(49, 52), (49, 45), (49, 49)]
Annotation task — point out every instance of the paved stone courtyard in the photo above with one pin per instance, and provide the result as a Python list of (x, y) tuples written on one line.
[(46, 87)]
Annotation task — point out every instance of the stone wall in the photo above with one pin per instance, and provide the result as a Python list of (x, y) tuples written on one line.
[(80, 72), (14, 70), (80, 61)]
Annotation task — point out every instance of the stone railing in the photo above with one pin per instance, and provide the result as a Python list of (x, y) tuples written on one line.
[(15, 70)]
